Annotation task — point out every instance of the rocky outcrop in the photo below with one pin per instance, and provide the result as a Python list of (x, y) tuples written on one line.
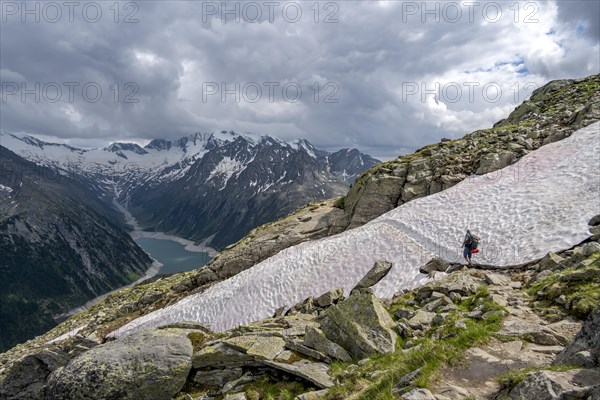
[(360, 325), (550, 385), (27, 378), (375, 274), (552, 113), (145, 365), (435, 265), (584, 350)]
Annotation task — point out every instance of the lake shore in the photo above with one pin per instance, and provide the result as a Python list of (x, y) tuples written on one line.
[(136, 233)]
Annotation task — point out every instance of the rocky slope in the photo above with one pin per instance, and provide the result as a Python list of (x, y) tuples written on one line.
[(60, 247), (555, 115), (218, 186), (471, 334)]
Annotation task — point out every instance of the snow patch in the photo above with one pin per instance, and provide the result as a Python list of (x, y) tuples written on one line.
[(540, 204)]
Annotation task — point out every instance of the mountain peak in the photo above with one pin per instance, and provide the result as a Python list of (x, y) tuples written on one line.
[(118, 147)]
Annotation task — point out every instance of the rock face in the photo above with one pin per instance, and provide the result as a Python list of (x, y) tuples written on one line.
[(27, 378), (584, 350), (377, 273), (145, 365), (360, 325)]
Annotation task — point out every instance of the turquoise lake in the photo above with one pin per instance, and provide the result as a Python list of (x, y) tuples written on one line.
[(173, 255)]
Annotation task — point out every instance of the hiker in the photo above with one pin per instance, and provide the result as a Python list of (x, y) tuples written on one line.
[(470, 246)]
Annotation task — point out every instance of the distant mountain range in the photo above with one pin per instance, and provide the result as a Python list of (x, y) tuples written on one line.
[(215, 186)]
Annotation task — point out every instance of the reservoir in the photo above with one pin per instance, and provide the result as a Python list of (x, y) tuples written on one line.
[(174, 256)]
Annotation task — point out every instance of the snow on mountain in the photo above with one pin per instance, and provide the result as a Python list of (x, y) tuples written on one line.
[(540, 204)]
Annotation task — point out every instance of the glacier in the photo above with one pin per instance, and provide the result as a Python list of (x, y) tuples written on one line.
[(540, 204)]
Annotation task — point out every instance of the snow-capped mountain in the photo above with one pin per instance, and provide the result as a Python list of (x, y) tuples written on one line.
[(217, 185), (519, 219)]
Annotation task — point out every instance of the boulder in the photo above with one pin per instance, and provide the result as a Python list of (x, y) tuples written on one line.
[(222, 356), (533, 333), (550, 261), (145, 365), (588, 274), (218, 377), (27, 377), (549, 385), (495, 161), (462, 283), (418, 394), (360, 325), (436, 264), (258, 347), (299, 347), (375, 274), (316, 339), (590, 248), (313, 372), (404, 313), (422, 320), (329, 298), (587, 339), (594, 221)]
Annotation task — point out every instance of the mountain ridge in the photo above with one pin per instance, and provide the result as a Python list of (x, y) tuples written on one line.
[(202, 185)]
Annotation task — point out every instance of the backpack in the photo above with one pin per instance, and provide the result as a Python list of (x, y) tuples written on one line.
[(474, 242)]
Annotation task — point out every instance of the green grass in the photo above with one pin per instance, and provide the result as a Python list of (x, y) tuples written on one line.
[(428, 354), (266, 389), (583, 295)]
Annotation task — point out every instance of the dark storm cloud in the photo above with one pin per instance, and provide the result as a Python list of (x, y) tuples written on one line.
[(364, 65)]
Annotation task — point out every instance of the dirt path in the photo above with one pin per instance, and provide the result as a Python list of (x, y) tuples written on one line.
[(525, 340)]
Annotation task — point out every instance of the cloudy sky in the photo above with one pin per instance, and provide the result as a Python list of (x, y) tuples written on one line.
[(383, 76)]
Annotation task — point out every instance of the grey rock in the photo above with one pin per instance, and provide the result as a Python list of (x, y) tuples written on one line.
[(590, 248), (375, 274), (316, 339), (594, 221), (550, 261), (299, 347), (218, 377), (418, 394), (315, 373), (582, 275), (329, 298), (27, 377), (549, 385), (495, 161), (422, 319), (157, 361), (587, 339), (404, 313), (360, 325), (315, 395), (236, 384), (436, 264), (221, 355), (235, 396), (404, 330)]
